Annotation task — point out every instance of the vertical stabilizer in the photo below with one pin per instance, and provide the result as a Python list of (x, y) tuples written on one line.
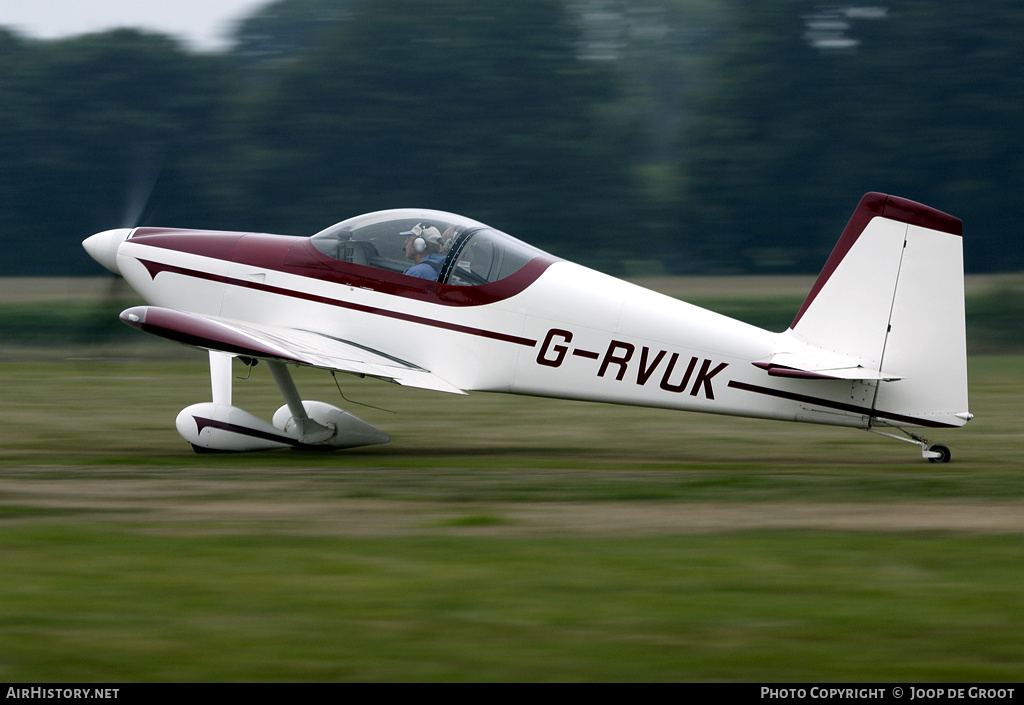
[(891, 295)]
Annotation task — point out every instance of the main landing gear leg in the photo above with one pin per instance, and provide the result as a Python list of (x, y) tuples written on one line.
[(220, 376), (935, 454), (220, 427), (308, 431)]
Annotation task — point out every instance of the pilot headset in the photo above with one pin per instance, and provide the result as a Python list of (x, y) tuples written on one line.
[(419, 243)]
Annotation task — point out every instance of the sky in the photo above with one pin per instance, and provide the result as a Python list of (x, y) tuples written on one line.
[(203, 24)]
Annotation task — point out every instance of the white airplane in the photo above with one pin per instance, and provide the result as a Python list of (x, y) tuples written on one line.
[(879, 343)]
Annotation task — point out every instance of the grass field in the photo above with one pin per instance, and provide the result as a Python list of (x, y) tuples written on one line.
[(496, 538)]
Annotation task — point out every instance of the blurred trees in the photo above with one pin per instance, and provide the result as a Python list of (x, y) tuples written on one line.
[(695, 135), (94, 131), (480, 109), (813, 106)]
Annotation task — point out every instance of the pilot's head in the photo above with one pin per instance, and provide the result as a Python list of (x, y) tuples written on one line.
[(422, 240)]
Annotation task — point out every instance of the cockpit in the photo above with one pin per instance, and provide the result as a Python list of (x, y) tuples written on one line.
[(471, 253)]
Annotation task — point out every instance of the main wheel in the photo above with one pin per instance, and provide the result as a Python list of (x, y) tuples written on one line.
[(944, 454)]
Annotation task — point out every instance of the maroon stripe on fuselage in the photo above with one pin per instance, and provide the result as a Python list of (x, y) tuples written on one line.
[(297, 256), (841, 406), (155, 268), (217, 244)]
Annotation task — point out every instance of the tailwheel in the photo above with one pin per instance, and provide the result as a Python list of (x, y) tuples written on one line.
[(941, 454)]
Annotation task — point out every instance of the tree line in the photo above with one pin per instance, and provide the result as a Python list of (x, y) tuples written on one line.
[(684, 136)]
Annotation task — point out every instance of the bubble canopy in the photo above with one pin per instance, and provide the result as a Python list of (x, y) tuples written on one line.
[(474, 253)]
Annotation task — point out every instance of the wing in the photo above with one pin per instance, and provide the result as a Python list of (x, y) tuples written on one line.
[(281, 344)]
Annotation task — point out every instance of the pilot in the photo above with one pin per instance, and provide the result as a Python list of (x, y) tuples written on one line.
[(425, 247)]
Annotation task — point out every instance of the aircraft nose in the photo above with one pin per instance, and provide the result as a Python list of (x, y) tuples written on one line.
[(102, 247)]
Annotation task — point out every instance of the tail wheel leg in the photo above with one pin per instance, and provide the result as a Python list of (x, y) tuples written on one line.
[(936, 454)]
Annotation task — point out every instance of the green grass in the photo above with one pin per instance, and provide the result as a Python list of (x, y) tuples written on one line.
[(995, 320), (448, 555), (129, 602), (496, 538)]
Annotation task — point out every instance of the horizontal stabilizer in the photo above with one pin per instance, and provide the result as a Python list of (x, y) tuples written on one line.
[(785, 364), (281, 344)]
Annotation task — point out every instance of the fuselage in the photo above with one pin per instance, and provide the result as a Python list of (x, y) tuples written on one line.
[(544, 327), (437, 301)]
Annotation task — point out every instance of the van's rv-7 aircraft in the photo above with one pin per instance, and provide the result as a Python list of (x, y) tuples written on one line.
[(879, 343)]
